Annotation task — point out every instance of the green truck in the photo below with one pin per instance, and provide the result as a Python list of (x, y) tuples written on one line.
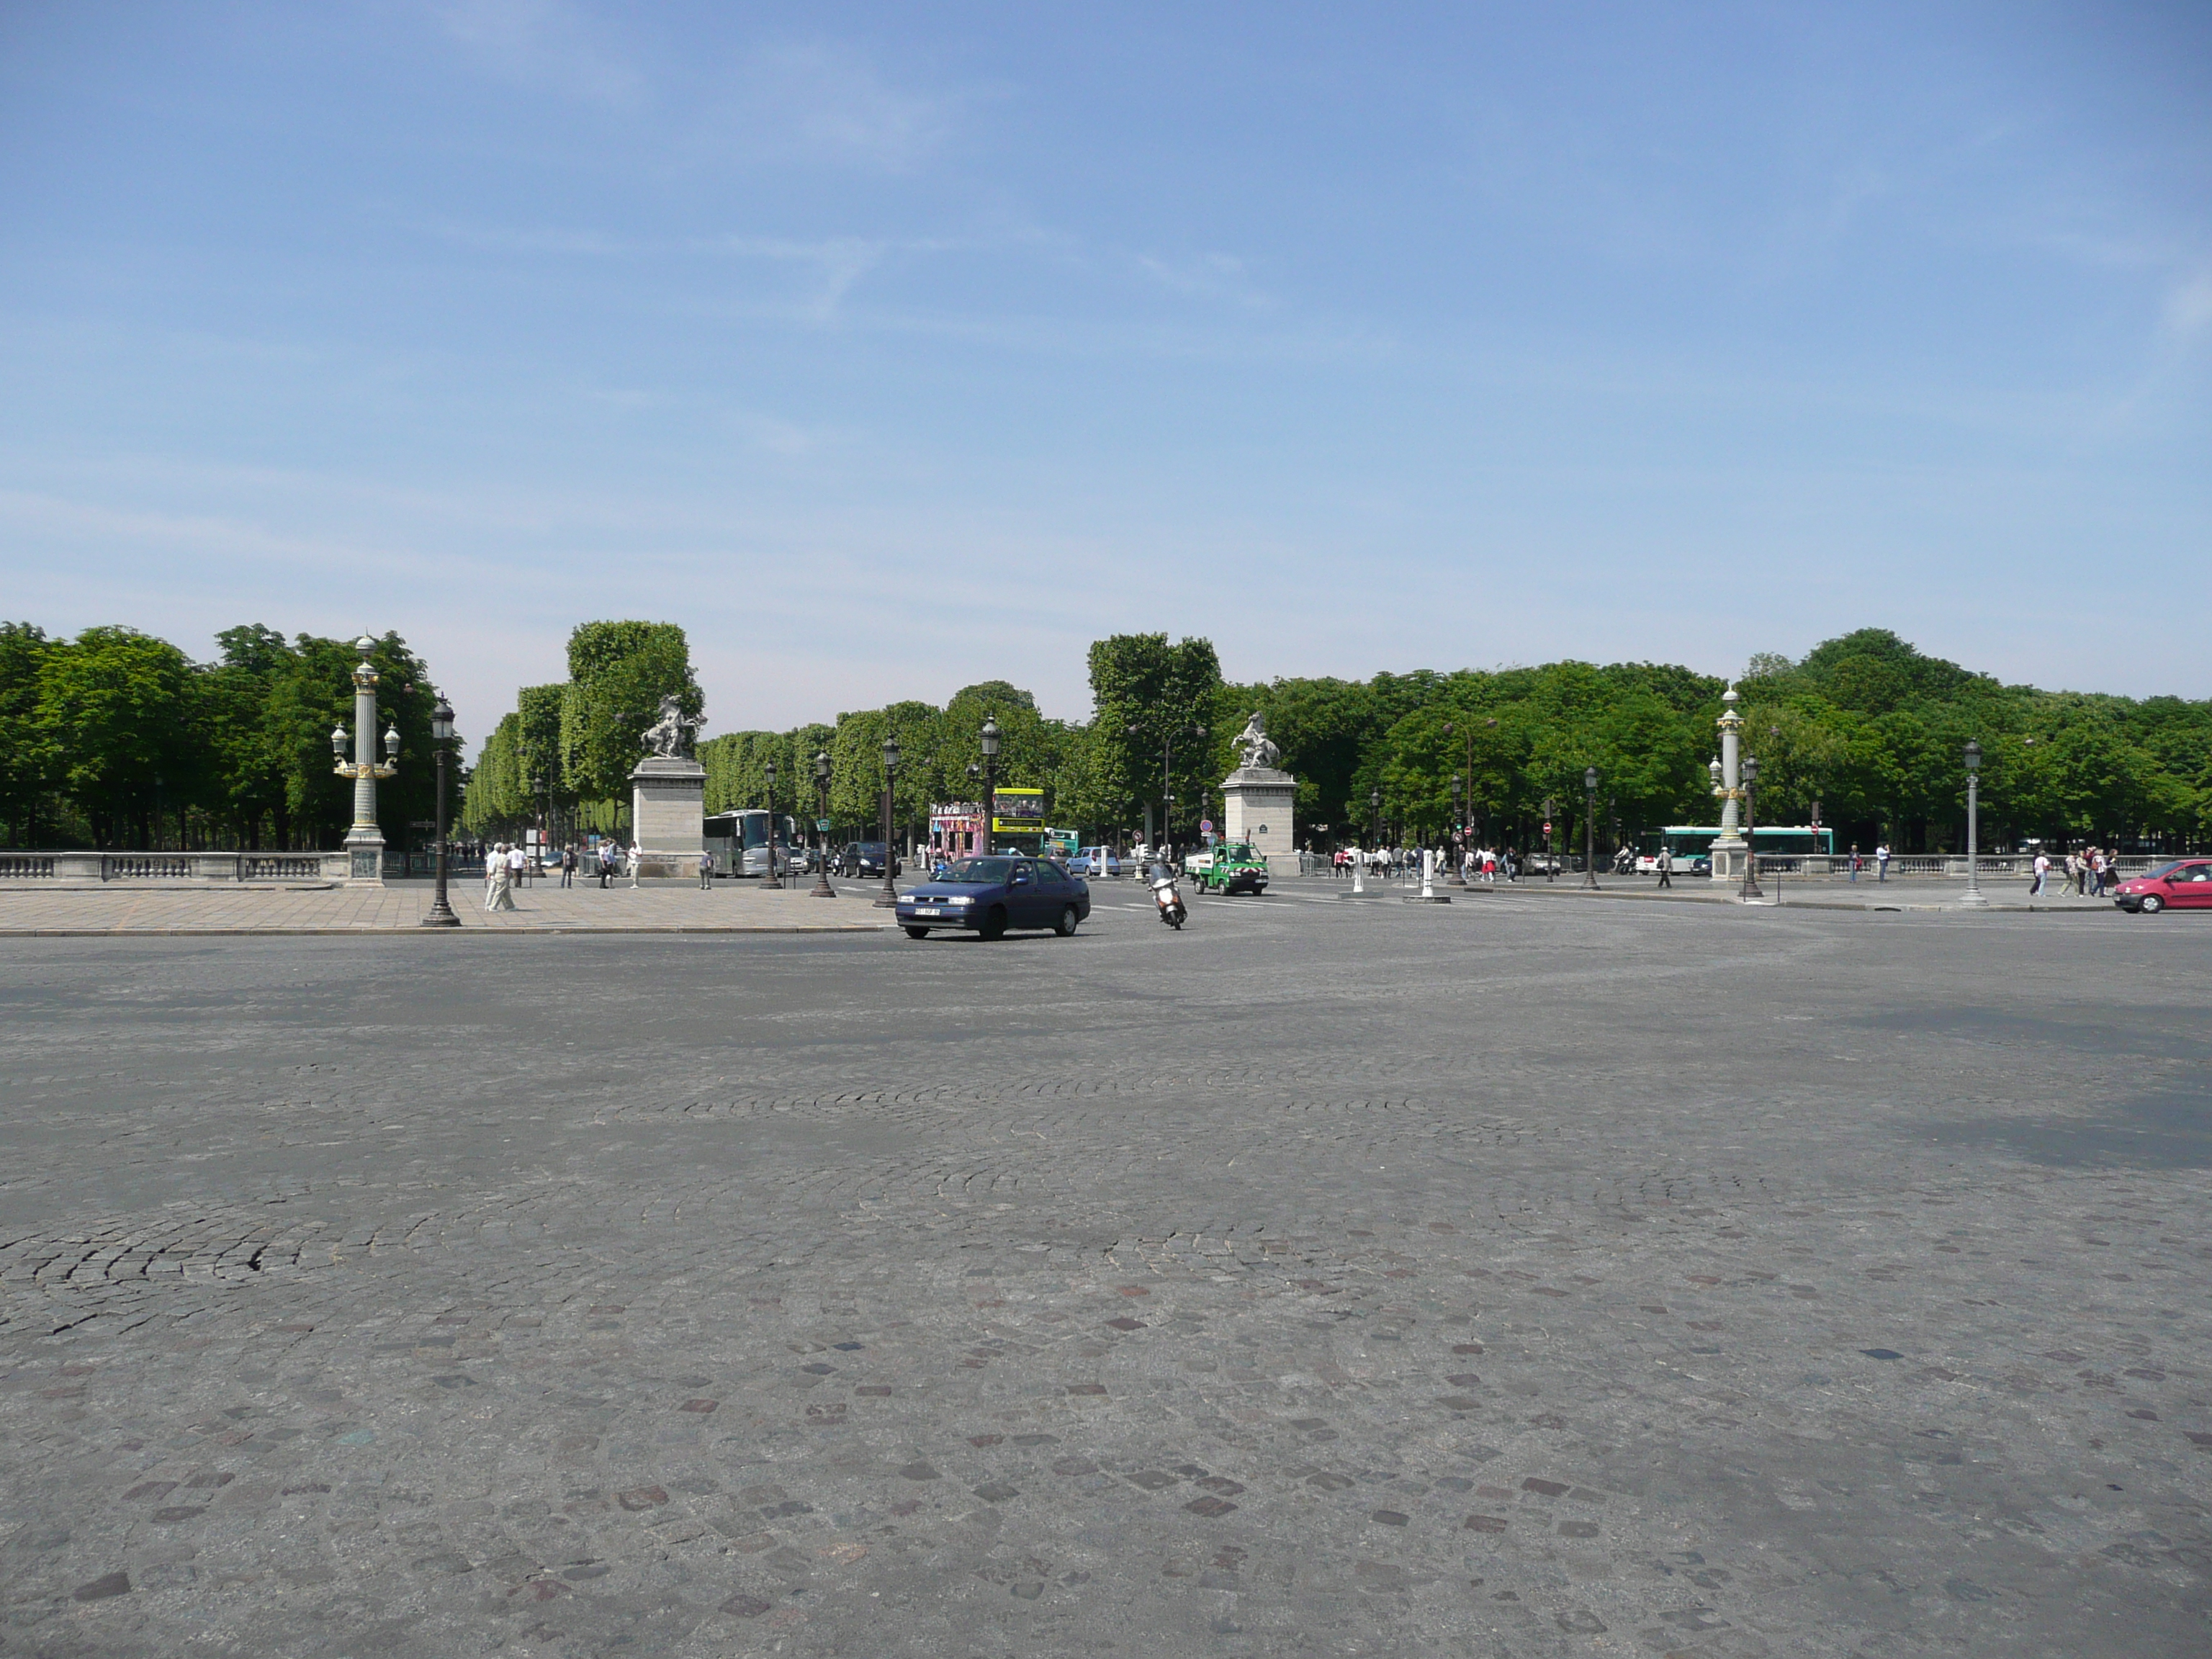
[(1234, 868)]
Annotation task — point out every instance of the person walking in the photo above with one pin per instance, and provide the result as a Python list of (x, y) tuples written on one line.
[(2042, 874), (1882, 861), (568, 867), (518, 866), (606, 864), (706, 872), (499, 893), (495, 865), (636, 863), (1855, 861), (1666, 868)]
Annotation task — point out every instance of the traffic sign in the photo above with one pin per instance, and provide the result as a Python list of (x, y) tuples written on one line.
[(1205, 826), (1547, 826)]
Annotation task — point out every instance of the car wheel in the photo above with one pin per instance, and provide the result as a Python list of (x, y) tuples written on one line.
[(994, 925), (917, 933), (2151, 904), (1067, 921)]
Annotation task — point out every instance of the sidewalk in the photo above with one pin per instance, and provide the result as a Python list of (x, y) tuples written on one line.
[(1792, 892), (664, 907)]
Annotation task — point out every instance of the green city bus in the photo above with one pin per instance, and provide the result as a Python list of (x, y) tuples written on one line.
[(1691, 844)]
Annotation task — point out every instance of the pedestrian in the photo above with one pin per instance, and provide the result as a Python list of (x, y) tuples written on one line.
[(606, 864), (706, 872), (518, 866), (499, 895), (1855, 861), (1882, 861), (568, 867), (494, 864), (636, 863), (2042, 872), (1666, 867), (2101, 864)]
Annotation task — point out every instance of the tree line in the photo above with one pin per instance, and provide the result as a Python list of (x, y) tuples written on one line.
[(1865, 734), (115, 739)]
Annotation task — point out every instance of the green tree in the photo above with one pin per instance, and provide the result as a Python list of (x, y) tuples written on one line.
[(1145, 694), (25, 764), (618, 672), (114, 728)]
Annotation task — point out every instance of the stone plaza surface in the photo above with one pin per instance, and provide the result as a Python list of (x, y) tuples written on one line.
[(1515, 1277)]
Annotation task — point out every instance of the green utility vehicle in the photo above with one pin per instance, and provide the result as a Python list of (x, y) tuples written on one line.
[(1234, 868)]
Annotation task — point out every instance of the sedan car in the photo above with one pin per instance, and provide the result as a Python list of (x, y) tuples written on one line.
[(862, 858), (1095, 861), (2187, 884), (990, 894)]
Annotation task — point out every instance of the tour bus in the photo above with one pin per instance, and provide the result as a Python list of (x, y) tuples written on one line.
[(1691, 843), (726, 832)]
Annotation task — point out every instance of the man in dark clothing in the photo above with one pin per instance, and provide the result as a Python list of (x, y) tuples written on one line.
[(1666, 868)]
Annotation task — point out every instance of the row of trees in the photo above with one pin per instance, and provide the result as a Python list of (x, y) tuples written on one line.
[(1865, 733), (117, 739)]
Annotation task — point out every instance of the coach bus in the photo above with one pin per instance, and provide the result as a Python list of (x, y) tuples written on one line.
[(1691, 844), (729, 834)]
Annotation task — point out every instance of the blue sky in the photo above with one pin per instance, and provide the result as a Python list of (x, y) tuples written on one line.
[(892, 348)]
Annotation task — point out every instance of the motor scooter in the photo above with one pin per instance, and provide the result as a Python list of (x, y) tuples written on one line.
[(1165, 897)]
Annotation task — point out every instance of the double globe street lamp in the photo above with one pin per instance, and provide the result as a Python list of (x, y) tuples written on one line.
[(1749, 772), (441, 740), (1589, 826), (990, 801)]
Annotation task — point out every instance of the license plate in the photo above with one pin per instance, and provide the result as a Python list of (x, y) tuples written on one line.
[(926, 910)]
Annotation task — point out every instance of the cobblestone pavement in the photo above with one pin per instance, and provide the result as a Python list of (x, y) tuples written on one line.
[(1520, 1278), (652, 907)]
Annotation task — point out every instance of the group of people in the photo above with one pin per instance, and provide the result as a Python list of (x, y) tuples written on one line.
[(508, 865), (2090, 873)]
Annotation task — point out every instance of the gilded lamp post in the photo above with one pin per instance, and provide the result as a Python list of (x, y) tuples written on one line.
[(1729, 846), (364, 843)]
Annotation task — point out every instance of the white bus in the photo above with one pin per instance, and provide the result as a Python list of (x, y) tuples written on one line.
[(730, 835)]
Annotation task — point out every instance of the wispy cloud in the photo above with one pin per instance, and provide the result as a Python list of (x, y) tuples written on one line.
[(2188, 305), (819, 103), (549, 44)]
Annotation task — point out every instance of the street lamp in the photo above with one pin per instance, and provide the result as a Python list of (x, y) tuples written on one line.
[(442, 739), (1974, 895), (1750, 775), (1374, 812), (774, 882), (990, 736), (822, 887), (1458, 877), (888, 899), (1590, 827), (364, 842)]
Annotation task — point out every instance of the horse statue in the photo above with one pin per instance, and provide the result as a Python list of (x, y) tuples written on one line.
[(1253, 744), (669, 737)]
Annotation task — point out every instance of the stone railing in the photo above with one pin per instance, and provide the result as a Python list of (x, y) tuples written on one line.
[(172, 866), (1951, 865)]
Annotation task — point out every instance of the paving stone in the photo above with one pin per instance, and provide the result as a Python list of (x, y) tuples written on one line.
[(818, 1294)]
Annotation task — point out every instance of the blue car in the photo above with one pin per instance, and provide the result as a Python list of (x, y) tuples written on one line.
[(990, 894)]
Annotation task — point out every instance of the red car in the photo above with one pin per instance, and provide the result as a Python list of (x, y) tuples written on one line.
[(2187, 884)]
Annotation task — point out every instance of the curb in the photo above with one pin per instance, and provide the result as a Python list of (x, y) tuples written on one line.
[(413, 930)]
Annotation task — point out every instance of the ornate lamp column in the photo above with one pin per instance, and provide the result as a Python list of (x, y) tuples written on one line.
[(990, 802), (1749, 774), (822, 887), (442, 739), (888, 899), (364, 843), (775, 880), (1728, 846), (1973, 893)]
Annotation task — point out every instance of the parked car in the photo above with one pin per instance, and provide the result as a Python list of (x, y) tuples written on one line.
[(862, 858), (1234, 868), (2185, 884), (1095, 861), (992, 894), (1551, 864)]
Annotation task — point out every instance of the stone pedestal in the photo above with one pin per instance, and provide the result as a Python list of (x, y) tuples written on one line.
[(364, 855), (668, 815), (1255, 806), (1728, 853)]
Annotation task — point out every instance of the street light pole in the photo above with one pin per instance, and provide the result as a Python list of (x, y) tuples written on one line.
[(1374, 814), (1749, 772), (822, 887), (441, 738), (364, 843), (1590, 827), (888, 899), (1458, 877), (1974, 895), (990, 801), (774, 882)]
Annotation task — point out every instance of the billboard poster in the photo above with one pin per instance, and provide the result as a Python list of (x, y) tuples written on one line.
[(1018, 812)]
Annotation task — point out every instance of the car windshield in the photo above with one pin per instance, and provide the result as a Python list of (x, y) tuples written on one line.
[(979, 871), (2162, 871)]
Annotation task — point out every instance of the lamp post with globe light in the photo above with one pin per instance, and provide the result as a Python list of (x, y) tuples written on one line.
[(441, 740), (774, 881), (822, 887), (1973, 894), (989, 738), (1749, 772)]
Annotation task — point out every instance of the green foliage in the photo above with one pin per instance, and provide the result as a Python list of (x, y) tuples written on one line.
[(618, 672), (1145, 694)]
